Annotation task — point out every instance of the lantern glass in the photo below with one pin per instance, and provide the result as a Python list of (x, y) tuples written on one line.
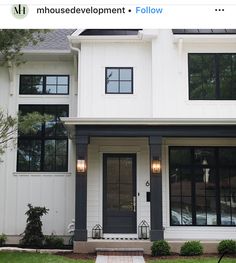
[(143, 230), (156, 166), (81, 166), (97, 232)]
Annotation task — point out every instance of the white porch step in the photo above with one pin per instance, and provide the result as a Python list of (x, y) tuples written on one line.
[(120, 251), (118, 259), (117, 255)]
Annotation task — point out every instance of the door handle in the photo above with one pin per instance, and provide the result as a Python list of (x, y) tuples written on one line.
[(134, 203)]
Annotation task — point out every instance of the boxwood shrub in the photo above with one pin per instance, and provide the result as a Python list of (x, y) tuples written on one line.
[(160, 248), (53, 242), (191, 248), (227, 246)]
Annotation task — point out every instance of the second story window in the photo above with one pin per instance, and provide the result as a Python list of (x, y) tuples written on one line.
[(212, 76), (44, 84), (119, 80)]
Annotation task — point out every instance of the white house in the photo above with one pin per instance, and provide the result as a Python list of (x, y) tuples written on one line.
[(150, 116)]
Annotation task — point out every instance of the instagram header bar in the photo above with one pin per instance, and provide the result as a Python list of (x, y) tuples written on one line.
[(118, 15)]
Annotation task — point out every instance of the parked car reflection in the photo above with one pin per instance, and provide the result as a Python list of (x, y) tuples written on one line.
[(202, 219)]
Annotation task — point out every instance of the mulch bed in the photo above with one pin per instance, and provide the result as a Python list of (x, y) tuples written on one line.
[(177, 256), (77, 255)]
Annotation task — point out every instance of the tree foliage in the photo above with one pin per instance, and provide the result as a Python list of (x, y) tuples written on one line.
[(8, 126), (13, 40), (11, 43), (11, 127)]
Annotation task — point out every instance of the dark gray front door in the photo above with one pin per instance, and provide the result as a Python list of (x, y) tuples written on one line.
[(119, 193)]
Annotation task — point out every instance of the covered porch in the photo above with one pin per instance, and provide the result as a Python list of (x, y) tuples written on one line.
[(118, 185), (143, 145)]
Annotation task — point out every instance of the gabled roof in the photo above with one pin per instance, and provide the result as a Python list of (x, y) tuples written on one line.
[(53, 40), (203, 31)]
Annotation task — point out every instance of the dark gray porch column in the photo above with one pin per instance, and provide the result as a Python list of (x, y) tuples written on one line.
[(81, 191), (156, 232)]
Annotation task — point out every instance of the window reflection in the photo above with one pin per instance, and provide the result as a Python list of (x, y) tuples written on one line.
[(119, 183), (212, 76), (45, 150), (198, 175), (44, 84), (119, 80)]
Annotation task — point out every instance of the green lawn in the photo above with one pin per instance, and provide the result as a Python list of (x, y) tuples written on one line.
[(193, 260), (22, 257)]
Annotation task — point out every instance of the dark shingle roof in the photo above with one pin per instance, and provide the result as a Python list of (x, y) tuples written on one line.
[(56, 39), (109, 32), (53, 40), (203, 31)]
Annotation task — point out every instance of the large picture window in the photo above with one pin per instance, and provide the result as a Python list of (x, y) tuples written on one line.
[(212, 76), (202, 186), (44, 84), (47, 148)]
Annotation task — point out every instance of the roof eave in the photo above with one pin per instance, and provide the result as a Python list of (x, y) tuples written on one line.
[(187, 38), (71, 121), (141, 37), (46, 51)]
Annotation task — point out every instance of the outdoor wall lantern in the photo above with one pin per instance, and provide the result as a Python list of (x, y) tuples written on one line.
[(143, 230), (81, 166), (97, 232), (156, 165)]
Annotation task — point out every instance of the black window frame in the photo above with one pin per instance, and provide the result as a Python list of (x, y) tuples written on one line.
[(44, 76), (43, 138), (217, 76), (193, 196), (119, 80)]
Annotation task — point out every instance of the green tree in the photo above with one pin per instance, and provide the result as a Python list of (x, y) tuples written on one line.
[(11, 43), (13, 40), (11, 127)]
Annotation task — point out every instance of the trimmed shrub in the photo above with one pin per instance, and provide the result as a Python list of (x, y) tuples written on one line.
[(160, 248), (191, 248), (53, 242), (3, 239), (227, 246), (33, 235)]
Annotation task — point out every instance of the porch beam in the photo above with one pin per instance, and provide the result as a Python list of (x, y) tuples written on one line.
[(156, 232), (215, 131), (81, 190)]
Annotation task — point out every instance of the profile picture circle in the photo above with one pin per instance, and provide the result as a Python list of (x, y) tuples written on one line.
[(19, 11)]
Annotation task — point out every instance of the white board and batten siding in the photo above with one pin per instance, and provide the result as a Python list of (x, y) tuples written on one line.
[(161, 87), (171, 83), (55, 191), (92, 100)]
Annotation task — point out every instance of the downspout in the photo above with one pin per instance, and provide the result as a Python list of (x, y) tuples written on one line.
[(11, 77), (78, 75)]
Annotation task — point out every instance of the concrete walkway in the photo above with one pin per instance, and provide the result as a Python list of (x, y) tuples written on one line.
[(119, 259)]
